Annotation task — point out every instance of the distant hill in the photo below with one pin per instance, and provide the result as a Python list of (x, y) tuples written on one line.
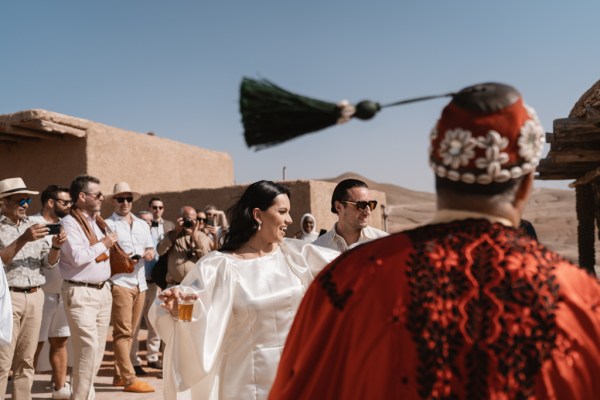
[(552, 212)]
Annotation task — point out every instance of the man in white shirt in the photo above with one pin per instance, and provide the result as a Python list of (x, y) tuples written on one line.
[(56, 204), (351, 201), (129, 289), (85, 269)]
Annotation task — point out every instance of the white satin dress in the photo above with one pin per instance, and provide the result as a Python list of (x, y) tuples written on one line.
[(232, 347)]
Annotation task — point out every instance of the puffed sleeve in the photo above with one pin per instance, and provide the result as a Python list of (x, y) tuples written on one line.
[(305, 259), (194, 349)]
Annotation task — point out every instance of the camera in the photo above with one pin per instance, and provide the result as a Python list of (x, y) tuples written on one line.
[(188, 223), (210, 222)]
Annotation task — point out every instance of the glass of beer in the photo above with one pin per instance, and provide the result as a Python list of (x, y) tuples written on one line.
[(185, 306)]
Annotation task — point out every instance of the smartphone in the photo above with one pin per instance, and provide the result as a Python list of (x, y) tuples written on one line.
[(136, 257), (53, 229), (210, 221)]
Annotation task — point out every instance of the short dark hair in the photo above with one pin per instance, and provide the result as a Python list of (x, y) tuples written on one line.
[(340, 193), (492, 189), (153, 199), (80, 184), (51, 192)]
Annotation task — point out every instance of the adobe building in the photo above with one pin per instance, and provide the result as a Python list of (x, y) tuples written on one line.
[(45, 147)]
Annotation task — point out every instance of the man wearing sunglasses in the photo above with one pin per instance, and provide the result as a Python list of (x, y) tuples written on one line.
[(129, 289), (351, 201), (56, 204), (24, 255)]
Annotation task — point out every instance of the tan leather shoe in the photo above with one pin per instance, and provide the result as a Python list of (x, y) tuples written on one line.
[(139, 386)]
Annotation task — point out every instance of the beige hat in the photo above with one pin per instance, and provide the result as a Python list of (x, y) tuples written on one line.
[(11, 186), (123, 187)]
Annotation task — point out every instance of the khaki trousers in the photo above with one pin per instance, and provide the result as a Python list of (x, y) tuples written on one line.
[(153, 340), (126, 313), (27, 319), (88, 313)]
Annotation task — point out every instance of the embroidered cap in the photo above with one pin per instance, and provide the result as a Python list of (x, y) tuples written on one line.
[(486, 134)]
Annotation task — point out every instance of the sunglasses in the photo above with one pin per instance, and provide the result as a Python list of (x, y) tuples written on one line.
[(201, 219), (122, 199), (22, 202), (95, 195), (62, 202), (157, 207), (362, 205)]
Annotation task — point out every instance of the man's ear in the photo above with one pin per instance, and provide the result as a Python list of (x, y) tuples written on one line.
[(523, 191), (338, 206)]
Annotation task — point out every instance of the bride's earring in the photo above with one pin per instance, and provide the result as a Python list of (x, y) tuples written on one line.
[(259, 224)]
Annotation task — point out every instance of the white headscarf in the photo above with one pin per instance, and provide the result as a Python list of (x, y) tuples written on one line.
[(308, 236)]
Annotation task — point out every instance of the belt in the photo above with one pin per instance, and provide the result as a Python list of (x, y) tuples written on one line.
[(32, 289), (87, 284)]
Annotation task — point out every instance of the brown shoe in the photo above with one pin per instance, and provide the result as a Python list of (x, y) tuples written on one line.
[(118, 381), (139, 386)]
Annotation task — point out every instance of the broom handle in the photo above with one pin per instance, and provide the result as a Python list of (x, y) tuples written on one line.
[(415, 99)]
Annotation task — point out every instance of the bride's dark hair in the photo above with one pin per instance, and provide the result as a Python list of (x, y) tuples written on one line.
[(243, 225)]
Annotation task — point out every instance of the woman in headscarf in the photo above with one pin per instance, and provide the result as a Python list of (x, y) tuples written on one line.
[(308, 228)]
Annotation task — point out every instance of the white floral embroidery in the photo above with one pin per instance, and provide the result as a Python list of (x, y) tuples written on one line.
[(457, 148), (493, 143), (531, 141)]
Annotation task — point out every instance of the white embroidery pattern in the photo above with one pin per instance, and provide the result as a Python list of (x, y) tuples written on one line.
[(458, 149)]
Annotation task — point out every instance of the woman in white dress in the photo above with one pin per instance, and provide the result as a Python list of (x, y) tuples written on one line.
[(247, 294)]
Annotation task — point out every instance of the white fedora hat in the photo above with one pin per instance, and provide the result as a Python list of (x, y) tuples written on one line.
[(11, 186), (123, 187)]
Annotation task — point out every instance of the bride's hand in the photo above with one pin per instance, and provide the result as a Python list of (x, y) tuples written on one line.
[(170, 299)]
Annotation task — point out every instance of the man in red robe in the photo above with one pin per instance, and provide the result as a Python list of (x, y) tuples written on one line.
[(466, 307)]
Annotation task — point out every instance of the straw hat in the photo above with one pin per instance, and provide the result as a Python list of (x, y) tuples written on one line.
[(11, 186), (123, 187)]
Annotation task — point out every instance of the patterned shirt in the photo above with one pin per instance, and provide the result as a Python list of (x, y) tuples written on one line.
[(25, 270)]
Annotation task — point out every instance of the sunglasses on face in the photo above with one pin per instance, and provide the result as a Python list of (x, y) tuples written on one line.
[(94, 195), (201, 219), (129, 199), (157, 207), (63, 203), (22, 202), (362, 205)]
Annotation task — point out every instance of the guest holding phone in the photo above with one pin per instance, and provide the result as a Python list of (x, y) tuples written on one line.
[(56, 204)]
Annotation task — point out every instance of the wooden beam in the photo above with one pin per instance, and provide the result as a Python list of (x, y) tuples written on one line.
[(576, 130), (576, 156), (22, 132), (51, 127)]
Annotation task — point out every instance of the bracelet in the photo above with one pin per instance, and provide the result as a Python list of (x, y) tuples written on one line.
[(55, 248)]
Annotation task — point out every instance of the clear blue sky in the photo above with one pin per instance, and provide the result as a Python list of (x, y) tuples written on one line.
[(174, 68)]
